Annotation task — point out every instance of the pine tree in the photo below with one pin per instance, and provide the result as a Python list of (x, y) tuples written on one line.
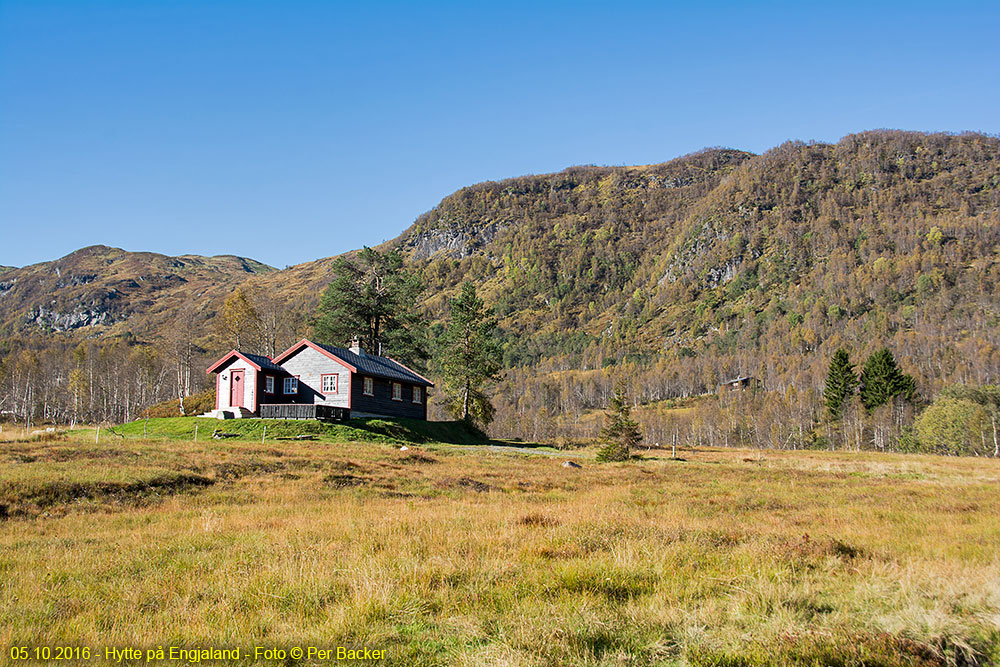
[(881, 381), (620, 432), (470, 357), (374, 297), (841, 381)]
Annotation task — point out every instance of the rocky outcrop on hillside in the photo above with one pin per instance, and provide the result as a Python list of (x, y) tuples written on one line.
[(451, 243), (67, 321)]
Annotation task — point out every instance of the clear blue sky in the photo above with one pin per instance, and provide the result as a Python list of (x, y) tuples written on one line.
[(287, 131)]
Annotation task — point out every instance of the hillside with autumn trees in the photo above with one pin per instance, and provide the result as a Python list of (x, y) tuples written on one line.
[(668, 278)]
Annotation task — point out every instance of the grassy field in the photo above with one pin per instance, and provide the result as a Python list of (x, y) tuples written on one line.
[(444, 555)]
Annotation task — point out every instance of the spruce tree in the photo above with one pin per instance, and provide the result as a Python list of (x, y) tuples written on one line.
[(374, 297), (470, 357), (841, 381), (881, 381), (620, 432)]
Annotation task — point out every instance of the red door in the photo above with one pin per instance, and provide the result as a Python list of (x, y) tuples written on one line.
[(236, 390)]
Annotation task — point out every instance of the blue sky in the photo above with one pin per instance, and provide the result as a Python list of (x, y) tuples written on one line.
[(288, 131)]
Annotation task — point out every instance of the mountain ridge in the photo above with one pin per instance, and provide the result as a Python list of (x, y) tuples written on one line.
[(713, 264), (100, 285)]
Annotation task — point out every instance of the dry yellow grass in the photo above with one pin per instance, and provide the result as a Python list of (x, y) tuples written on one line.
[(446, 556)]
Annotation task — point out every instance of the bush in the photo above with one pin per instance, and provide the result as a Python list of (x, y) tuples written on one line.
[(955, 426), (194, 405)]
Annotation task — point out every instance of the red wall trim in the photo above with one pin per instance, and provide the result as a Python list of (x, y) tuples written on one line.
[(257, 382)]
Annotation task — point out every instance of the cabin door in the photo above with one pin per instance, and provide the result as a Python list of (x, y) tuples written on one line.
[(236, 390)]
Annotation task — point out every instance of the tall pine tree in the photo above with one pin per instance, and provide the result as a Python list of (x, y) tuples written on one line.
[(881, 380), (374, 297), (470, 357), (841, 381)]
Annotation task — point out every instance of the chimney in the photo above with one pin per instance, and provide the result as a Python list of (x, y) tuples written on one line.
[(356, 347)]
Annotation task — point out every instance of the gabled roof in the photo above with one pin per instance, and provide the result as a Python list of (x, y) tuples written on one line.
[(365, 364), (258, 361)]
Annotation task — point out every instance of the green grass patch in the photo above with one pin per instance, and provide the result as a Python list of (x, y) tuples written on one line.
[(390, 431)]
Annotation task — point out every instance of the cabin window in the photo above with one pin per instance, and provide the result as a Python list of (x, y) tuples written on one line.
[(329, 383), (268, 384), (291, 386), (418, 395), (397, 391), (369, 387)]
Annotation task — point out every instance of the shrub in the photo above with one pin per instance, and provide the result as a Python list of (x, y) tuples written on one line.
[(194, 405), (955, 426)]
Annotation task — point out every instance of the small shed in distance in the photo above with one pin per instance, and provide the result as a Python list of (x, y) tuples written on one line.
[(742, 382)]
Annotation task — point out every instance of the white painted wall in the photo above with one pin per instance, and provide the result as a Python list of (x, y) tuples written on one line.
[(309, 364), (224, 383)]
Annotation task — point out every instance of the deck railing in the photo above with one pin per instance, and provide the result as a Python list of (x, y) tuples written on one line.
[(302, 411)]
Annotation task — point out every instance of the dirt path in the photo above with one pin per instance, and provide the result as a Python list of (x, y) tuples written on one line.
[(504, 449)]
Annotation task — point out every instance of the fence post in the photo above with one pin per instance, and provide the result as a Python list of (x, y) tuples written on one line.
[(97, 438), (262, 435), (196, 433)]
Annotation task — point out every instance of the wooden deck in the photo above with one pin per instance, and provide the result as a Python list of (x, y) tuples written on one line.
[(303, 411)]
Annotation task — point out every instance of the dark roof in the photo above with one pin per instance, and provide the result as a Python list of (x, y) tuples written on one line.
[(265, 363), (259, 360), (369, 364)]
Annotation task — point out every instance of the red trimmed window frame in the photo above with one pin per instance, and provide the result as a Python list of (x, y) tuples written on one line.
[(418, 394), (368, 386), (397, 396), (269, 380), (322, 383)]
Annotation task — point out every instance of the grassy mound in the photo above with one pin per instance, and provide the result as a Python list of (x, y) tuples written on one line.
[(194, 404), (393, 431)]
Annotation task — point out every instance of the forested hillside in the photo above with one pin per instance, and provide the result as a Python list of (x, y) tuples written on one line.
[(670, 277), (761, 267)]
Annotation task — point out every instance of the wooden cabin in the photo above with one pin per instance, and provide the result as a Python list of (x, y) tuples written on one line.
[(313, 381)]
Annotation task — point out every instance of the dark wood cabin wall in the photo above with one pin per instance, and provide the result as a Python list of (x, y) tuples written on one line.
[(382, 403)]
